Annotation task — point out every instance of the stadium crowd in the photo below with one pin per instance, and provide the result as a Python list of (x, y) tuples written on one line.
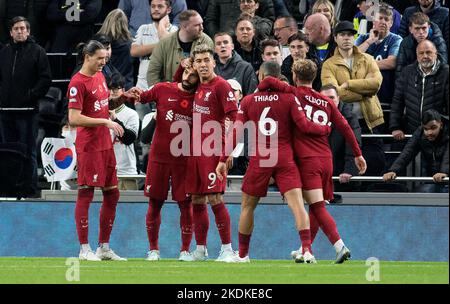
[(386, 69)]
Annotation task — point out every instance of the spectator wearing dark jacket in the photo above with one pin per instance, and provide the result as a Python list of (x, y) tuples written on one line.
[(263, 26), (431, 140), (229, 65), (434, 10), (246, 44), (421, 28), (199, 5), (221, 15), (421, 86), (68, 32), (24, 78), (115, 27), (343, 158)]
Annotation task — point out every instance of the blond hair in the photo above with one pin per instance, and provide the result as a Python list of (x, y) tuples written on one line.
[(330, 7), (115, 26)]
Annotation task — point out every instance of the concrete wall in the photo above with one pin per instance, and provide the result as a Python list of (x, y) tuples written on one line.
[(409, 233)]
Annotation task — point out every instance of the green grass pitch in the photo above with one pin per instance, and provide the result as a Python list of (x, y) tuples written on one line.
[(169, 271)]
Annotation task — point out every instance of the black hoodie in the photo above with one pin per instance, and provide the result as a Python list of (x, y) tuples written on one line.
[(24, 74)]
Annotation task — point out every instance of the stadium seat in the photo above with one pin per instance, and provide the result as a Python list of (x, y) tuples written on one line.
[(13, 156)]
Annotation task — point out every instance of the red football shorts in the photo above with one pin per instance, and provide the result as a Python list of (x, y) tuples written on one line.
[(158, 178), (317, 173), (256, 179), (97, 169), (201, 175)]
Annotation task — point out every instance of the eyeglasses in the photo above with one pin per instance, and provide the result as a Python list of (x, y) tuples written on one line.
[(276, 30)]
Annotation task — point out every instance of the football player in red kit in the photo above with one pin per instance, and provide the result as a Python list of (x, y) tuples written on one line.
[(174, 106), (213, 102), (274, 115), (89, 98), (314, 155)]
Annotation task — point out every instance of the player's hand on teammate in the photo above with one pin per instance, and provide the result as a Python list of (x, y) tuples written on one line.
[(398, 134), (344, 178), (361, 164), (389, 176), (186, 62), (118, 130), (439, 177), (133, 95), (112, 115)]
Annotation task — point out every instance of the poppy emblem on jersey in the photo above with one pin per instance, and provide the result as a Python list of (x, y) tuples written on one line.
[(63, 158), (184, 104), (73, 91)]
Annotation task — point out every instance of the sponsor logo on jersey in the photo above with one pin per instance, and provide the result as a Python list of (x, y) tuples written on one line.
[(169, 115), (97, 106)]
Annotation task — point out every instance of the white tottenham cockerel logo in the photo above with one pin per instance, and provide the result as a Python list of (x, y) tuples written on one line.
[(169, 115)]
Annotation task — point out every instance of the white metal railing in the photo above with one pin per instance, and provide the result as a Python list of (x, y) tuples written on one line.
[(353, 178)]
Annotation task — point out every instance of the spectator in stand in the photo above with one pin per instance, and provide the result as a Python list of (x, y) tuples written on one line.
[(383, 46), (421, 86), (326, 8), (343, 158), (283, 28), (431, 140), (147, 37), (263, 26), (420, 29), (433, 9), (246, 44), (221, 15), (169, 52), (24, 78), (357, 77), (69, 32), (123, 145), (363, 24), (137, 13), (318, 31), (298, 47), (230, 65), (271, 51), (115, 27)]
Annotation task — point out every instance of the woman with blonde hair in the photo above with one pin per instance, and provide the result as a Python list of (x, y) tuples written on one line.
[(326, 8), (115, 26)]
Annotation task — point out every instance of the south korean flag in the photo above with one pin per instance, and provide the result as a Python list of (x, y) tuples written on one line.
[(59, 159)]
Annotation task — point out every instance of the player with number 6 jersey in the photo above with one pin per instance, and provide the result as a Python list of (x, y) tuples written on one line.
[(314, 155)]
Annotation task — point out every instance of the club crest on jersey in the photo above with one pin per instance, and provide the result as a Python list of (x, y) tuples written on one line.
[(207, 96)]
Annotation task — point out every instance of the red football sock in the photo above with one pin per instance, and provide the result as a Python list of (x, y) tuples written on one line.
[(244, 244), (313, 225), (201, 223), (185, 224), (305, 238), (223, 222), (325, 221), (153, 222), (84, 199), (108, 214)]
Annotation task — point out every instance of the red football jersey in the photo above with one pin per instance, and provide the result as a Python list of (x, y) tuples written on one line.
[(213, 101), (172, 105), (275, 116), (90, 95), (320, 110)]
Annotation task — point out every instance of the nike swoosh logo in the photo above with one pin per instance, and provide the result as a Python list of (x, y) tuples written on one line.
[(171, 99), (210, 187), (93, 92)]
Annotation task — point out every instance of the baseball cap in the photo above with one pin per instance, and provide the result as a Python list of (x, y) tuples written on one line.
[(344, 26), (235, 85)]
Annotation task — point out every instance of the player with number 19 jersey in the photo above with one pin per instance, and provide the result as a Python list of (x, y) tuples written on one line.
[(213, 102)]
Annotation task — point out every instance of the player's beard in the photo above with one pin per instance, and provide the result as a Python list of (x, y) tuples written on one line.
[(186, 85)]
